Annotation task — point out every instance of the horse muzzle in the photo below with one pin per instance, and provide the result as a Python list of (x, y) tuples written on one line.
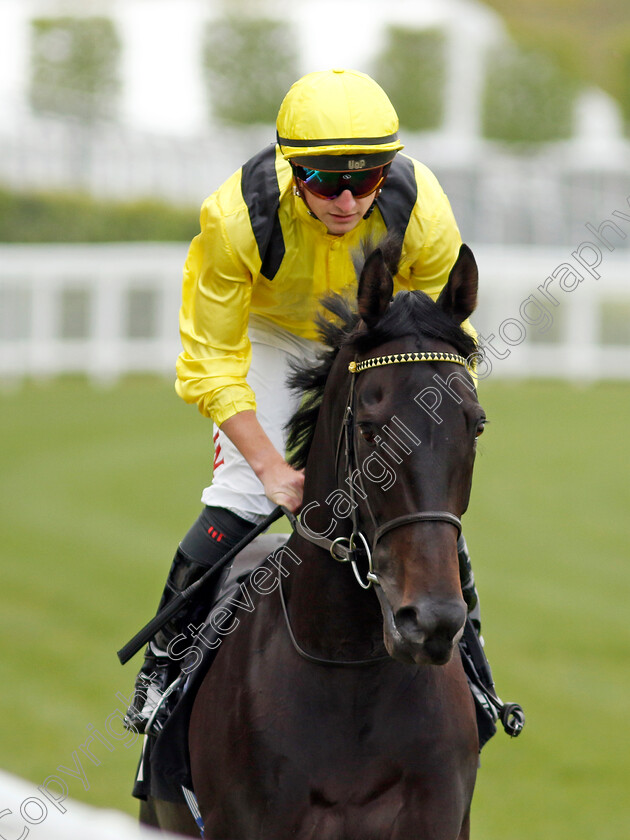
[(425, 632)]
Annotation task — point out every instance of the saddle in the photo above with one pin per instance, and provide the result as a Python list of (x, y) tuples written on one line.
[(164, 767)]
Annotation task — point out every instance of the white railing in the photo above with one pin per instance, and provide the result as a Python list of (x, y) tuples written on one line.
[(102, 310), (560, 325), (498, 197), (108, 310)]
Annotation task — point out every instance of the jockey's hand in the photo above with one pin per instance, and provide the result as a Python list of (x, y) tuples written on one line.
[(284, 485)]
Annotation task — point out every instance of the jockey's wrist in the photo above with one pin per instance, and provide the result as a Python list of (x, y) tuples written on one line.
[(251, 440)]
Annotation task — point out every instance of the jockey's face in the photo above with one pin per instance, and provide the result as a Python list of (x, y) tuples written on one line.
[(340, 214)]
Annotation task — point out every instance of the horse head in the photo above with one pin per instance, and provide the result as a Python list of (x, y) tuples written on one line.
[(387, 431), (415, 423)]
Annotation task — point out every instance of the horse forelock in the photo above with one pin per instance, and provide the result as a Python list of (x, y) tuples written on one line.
[(411, 313)]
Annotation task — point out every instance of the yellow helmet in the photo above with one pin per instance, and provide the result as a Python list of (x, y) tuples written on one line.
[(342, 114)]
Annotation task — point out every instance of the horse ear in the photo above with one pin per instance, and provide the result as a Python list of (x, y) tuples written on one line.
[(376, 287), (459, 297)]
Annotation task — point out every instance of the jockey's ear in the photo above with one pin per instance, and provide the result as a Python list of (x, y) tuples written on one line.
[(376, 287), (459, 297)]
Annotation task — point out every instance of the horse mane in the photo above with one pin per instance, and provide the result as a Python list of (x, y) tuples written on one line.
[(410, 313)]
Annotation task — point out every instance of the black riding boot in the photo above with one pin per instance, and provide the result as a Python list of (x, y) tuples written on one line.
[(214, 533), (159, 670), (472, 644), (488, 706), (469, 590)]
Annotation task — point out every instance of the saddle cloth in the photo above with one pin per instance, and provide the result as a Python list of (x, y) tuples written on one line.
[(164, 764)]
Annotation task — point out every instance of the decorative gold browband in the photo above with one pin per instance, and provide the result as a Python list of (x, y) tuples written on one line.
[(399, 358)]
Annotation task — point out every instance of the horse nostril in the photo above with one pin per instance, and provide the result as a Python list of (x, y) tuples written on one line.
[(431, 620), (452, 618), (409, 625)]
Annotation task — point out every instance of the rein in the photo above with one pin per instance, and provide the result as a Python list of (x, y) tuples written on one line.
[(319, 660)]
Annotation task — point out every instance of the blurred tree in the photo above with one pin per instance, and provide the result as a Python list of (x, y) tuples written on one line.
[(625, 92), (584, 36), (249, 65), (74, 67), (71, 217), (412, 69), (527, 98), (620, 87)]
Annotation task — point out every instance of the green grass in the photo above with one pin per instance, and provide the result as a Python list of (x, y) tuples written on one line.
[(98, 485), (549, 528)]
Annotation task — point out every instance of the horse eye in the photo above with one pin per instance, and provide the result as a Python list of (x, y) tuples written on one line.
[(367, 433), (480, 428)]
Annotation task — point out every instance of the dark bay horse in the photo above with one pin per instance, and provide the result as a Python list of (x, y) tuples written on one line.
[(338, 708)]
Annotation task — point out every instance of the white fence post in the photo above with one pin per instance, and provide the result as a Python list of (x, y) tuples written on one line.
[(37, 277)]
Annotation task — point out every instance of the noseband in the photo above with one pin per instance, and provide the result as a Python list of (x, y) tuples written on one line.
[(348, 549)]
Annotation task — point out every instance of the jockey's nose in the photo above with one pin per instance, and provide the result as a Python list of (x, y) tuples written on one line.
[(345, 201)]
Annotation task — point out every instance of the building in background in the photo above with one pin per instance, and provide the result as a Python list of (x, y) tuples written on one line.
[(129, 98), (166, 98)]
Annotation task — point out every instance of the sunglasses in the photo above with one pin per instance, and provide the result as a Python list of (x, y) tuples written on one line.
[(329, 185)]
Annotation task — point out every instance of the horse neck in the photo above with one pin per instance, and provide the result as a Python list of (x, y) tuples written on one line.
[(332, 616)]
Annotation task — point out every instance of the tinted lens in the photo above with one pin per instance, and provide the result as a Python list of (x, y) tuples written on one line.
[(331, 184)]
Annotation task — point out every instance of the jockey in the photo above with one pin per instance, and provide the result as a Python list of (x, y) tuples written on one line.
[(276, 237)]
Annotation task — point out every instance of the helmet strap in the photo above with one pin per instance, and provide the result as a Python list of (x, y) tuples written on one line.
[(370, 209), (298, 192)]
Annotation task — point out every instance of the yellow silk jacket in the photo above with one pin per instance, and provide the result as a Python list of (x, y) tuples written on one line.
[(260, 251)]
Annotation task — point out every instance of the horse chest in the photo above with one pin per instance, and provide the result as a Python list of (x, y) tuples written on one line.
[(354, 743)]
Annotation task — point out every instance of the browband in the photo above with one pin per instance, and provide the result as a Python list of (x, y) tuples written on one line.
[(399, 358)]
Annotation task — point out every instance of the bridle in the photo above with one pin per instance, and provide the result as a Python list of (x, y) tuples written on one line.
[(351, 549), (347, 549)]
